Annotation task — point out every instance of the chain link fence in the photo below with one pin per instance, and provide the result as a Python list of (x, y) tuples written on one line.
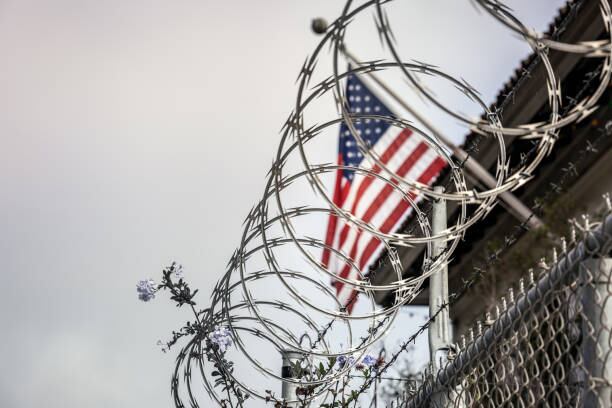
[(547, 345)]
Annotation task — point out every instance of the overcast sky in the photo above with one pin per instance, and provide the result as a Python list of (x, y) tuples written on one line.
[(139, 132)]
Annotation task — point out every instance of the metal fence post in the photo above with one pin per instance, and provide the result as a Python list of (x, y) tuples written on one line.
[(440, 330), (289, 388)]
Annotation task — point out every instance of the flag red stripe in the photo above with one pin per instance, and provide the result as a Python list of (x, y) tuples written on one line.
[(344, 192), (333, 218)]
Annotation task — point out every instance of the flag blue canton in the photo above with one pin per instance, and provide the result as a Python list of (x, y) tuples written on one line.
[(361, 102)]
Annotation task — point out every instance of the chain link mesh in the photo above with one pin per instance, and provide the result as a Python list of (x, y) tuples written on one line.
[(547, 346)]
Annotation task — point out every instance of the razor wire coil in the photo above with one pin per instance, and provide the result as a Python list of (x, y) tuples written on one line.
[(233, 303)]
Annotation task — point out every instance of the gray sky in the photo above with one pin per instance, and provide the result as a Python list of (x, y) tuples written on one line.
[(139, 132)]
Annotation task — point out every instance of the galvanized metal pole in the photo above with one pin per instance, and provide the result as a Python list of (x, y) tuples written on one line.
[(289, 388), (440, 329)]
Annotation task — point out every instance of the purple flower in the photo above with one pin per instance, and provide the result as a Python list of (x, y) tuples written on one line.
[(343, 361), (221, 337), (146, 289), (369, 360)]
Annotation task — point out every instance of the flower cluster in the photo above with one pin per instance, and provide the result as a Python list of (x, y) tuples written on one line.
[(221, 337), (369, 361), (146, 289)]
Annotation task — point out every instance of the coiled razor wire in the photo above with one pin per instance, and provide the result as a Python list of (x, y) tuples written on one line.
[(299, 320)]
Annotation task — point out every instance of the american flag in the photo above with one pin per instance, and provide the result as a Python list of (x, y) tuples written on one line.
[(367, 197)]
